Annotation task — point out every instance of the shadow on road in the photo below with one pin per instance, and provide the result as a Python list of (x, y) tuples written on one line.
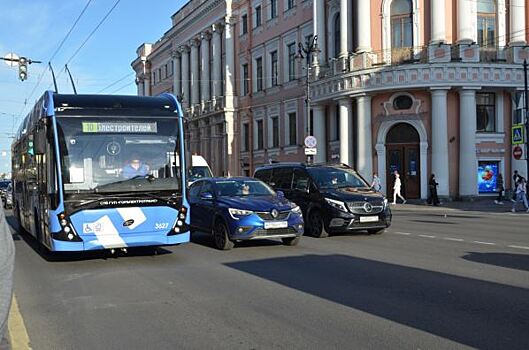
[(511, 261), (465, 310), (19, 234)]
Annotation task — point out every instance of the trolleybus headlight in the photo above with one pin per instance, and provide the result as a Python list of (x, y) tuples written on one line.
[(177, 229), (67, 229), (64, 222), (182, 216), (179, 222)]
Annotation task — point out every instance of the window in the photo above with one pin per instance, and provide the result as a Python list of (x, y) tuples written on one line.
[(487, 23), (195, 188), (301, 180), (292, 129), (259, 71), (244, 21), (291, 48), (273, 9), (154, 77), (401, 24), (273, 62), (486, 112), (246, 137), (257, 16), (337, 35), (165, 71), (402, 102), (260, 135), (245, 80), (275, 132), (290, 4), (282, 178)]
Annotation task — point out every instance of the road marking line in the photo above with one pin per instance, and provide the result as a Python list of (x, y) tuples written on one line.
[(403, 233), (518, 246), (426, 236), (454, 239), (17, 333), (486, 243)]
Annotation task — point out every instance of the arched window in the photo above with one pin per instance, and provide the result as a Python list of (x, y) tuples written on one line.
[(401, 24), (487, 27), (337, 35)]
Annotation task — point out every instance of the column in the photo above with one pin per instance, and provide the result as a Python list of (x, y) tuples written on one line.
[(363, 25), (177, 78), (345, 24), (346, 137), (147, 84), (467, 144), (231, 154), (517, 18), (205, 77), (195, 83), (318, 119), (438, 21), (185, 75), (440, 165), (466, 21), (217, 61), (364, 143), (319, 28)]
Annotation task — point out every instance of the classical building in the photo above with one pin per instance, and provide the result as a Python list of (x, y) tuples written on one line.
[(418, 86)]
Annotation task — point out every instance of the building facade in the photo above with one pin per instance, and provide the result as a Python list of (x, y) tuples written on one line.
[(418, 86)]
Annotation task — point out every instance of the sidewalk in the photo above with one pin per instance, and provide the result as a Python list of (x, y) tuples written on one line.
[(478, 205)]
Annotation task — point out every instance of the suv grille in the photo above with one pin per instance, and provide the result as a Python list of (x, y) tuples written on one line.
[(267, 216), (274, 232), (363, 207)]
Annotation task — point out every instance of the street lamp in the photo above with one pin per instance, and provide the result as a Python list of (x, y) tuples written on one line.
[(307, 51), (526, 118)]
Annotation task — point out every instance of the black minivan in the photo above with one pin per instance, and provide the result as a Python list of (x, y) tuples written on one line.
[(333, 198)]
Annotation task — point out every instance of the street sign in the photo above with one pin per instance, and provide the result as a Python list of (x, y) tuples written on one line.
[(518, 134), (11, 59), (310, 142), (517, 152), (312, 151)]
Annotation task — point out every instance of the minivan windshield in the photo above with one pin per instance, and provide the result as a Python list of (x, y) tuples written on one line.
[(329, 178)]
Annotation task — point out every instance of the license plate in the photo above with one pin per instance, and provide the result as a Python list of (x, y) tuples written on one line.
[(275, 224), (368, 218)]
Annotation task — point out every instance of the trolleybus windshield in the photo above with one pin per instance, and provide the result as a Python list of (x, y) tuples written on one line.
[(117, 154)]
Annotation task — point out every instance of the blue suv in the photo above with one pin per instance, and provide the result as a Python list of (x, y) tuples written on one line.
[(241, 208)]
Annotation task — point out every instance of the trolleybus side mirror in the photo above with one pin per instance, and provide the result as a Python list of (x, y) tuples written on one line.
[(39, 141)]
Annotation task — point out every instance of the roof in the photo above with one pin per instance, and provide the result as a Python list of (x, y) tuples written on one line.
[(113, 101)]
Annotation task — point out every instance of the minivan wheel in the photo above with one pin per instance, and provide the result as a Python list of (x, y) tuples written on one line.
[(317, 228), (220, 236), (291, 241)]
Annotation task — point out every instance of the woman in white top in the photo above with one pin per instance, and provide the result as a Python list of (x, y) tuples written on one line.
[(521, 188), (396, 189)]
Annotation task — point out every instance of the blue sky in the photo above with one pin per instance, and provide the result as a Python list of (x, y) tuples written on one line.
[(35, 28)]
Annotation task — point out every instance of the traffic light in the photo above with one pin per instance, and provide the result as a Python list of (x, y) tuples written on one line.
[(22, 68)]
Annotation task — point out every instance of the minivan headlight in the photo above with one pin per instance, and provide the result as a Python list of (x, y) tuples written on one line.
[(239, 212), (336, 204)]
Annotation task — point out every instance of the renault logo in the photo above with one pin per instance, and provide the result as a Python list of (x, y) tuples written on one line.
[(128, 222), (274, 213), (368, 207)]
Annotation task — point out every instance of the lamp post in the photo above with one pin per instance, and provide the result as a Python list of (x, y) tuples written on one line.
[(526, 107), (307, 51)]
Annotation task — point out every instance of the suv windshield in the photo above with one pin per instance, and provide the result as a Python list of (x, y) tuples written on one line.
[(235, 188), (113, 154), (198, 172), (329, 177)]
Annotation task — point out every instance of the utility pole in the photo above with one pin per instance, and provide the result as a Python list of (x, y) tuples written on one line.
[(306, 51), (526, 114)]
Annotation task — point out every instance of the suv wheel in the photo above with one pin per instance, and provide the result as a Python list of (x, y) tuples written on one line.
[(220, 236), (317, 228)]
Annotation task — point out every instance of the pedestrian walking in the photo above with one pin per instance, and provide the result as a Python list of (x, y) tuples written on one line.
[(521, 194), (514, 181), (499, 189), (376, 184), (396, 189), (433, 199)]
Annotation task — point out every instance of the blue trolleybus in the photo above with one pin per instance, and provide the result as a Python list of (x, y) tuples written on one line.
[(98, 172)]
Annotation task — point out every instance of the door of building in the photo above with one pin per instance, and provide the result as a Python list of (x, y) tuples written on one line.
[(402, 155)]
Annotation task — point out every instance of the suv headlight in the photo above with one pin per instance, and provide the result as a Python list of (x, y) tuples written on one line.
[(239, 212), (385, 203), (296, 210), (336, 204)]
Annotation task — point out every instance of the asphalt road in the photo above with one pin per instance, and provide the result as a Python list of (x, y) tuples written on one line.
[(429, 282)]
